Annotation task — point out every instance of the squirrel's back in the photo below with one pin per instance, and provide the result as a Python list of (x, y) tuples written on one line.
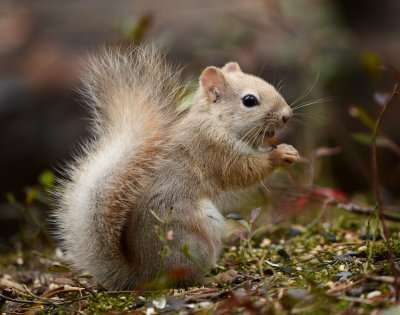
[(133, 97)]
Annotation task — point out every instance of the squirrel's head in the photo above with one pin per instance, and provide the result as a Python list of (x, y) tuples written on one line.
[(247, 106)]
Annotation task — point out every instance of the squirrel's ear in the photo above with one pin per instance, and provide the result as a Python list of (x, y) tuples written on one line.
[(232, 67), (213, 82)]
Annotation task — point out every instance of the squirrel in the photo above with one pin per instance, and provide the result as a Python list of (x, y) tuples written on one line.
[(146, 155)]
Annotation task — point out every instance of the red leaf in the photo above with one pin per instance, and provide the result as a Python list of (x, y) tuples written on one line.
[(301, 203), (331, 193)]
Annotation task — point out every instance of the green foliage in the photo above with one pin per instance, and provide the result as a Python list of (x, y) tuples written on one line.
[(366, 139), (32, 229), (380, 251), (135, 30), (47, 179)]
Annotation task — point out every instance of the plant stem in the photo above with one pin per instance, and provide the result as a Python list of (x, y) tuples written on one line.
[(368, 244), (166, 250), (377, 191)]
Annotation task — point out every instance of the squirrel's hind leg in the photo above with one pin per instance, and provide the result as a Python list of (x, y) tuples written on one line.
[(202, 230)]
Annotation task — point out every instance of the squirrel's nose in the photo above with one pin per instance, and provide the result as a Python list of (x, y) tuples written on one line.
[(286, 114), (285, 118)]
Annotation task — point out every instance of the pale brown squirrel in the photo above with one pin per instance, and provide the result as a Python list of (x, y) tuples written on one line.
[(145, 154)]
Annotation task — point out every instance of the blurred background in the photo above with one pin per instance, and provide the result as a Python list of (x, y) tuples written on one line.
[(324, 50)]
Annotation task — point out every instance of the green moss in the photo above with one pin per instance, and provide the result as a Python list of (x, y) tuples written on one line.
[(380, 252), (104, 302)]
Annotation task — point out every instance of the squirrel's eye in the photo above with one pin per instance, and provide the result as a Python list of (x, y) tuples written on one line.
[(249, 100)]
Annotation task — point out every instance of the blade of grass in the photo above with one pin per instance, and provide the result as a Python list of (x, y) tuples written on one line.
[(377, 190)]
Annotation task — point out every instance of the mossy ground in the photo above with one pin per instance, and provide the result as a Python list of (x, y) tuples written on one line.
[(324, 269)]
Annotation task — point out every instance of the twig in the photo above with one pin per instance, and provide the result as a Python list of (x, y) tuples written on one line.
[(348, 244), (85, 286), (355, 299), (21, 301), (351, 207), (205, 295), (345, 231), (322, 253), (347, 286), (387, 279), (377, 191), (59, 303)]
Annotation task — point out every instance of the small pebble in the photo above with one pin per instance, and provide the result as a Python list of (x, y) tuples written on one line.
[(160, 302), (287, 270), (373, 294), (329, 236), (237, 280), (283, 253), (363, 236), (294, 232), (265, 243), (137, 304), (330, 284), (150, 311), (297, 293), (205, 304)]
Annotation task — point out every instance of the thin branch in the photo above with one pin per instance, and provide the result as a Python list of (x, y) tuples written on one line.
[(346, 286), (354, 208), (377, 191), (52, 303), (21, 301)]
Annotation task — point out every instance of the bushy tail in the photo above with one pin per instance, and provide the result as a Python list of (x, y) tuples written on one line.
[(120, 85), (134, 98)]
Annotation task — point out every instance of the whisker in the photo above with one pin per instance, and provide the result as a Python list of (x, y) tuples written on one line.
[(280, 85), (306, 92), (264, 185), (321, 100), (262, 68), (237, 145), (262, 140), (297, 121), (255, 138), (251, 144), (314, 116)]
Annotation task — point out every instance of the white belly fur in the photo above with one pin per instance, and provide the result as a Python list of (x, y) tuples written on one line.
[(213, 219)]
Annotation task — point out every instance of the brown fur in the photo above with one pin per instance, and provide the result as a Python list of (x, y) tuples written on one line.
[(146, 156)]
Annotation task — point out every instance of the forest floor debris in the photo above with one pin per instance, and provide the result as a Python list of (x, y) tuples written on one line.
[(325, 269)]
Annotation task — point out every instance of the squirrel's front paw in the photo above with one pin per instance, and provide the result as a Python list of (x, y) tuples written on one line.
[(284, 155)]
